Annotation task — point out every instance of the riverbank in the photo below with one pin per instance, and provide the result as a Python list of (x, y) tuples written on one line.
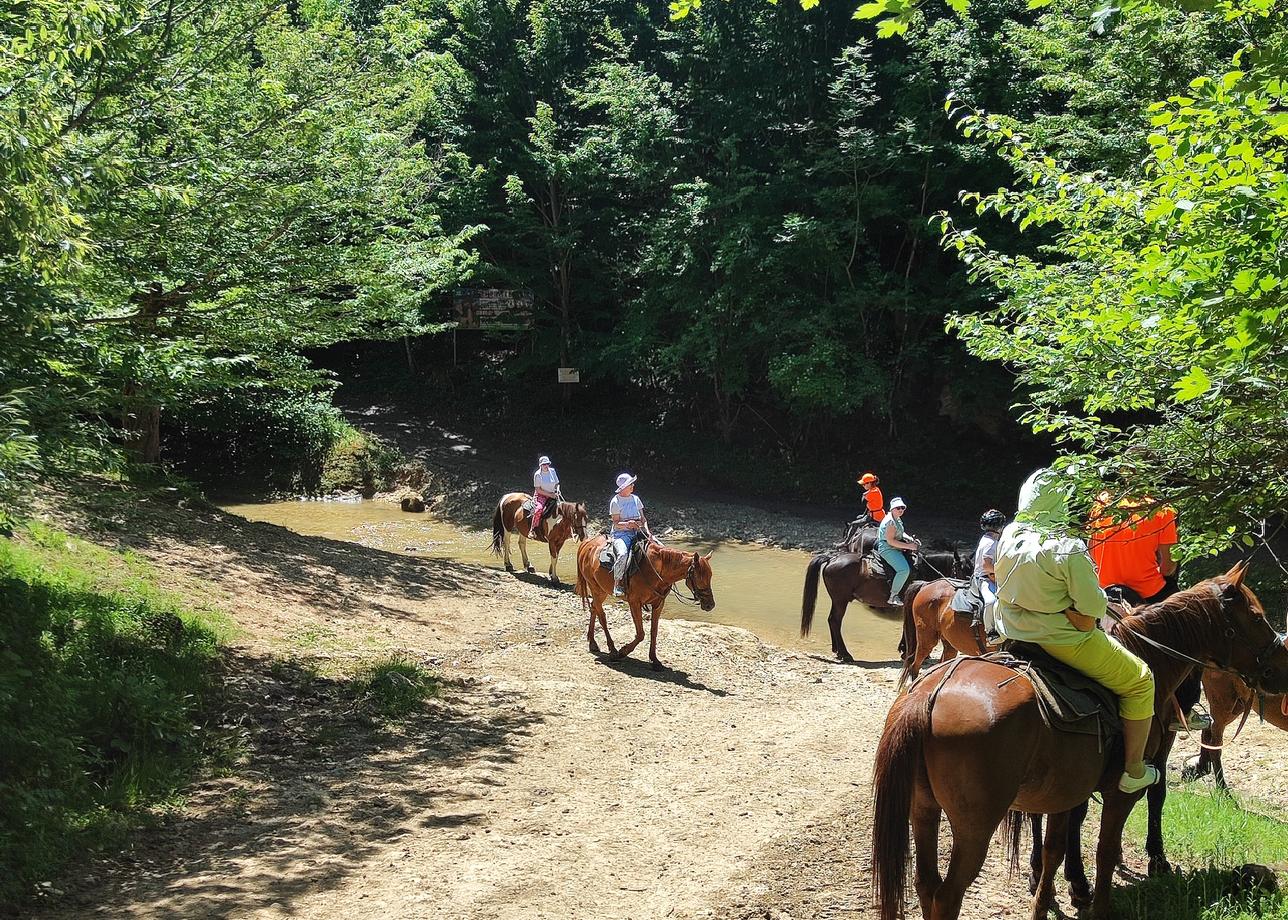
[(470, 470), (541, 781)]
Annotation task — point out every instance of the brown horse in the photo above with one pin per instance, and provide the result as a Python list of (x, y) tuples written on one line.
[(928, 617), (659, 569), (1228, 700), (564, 520), (851, 577), (987, 750)]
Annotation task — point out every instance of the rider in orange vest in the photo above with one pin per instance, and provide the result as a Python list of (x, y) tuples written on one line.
[(873, 497)]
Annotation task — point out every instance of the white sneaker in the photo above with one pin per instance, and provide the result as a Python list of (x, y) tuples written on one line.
[(895, 601), (1129, 783), (617, 591), (1195, 722)]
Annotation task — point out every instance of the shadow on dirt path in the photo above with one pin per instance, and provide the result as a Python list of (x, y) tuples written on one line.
[(321, 790)]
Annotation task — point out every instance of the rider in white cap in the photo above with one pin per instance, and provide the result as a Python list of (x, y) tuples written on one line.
[(545, 489), (627, 512)]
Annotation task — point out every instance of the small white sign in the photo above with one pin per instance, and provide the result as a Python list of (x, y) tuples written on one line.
[(569, 375)]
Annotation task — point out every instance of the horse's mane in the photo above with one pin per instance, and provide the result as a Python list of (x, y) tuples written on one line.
[(1183, 622)]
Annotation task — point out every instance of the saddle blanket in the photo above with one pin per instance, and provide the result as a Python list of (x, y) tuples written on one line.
[(1068, 700), (967, 601)]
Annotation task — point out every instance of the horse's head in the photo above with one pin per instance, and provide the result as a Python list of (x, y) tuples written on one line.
[(698, 581), (1253, 648), (963, 566), (580, 520)]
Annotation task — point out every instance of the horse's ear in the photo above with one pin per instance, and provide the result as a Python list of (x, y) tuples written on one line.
[(708, 556), (1235, 575)]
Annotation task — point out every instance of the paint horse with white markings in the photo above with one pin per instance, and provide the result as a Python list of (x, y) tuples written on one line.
[(563, 520)]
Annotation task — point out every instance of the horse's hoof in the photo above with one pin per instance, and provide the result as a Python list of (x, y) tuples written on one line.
[(1159, 867), (845, 658), (531, 570), (1080, 895), (509, 568), (658, 666), (555, 581), (594, 648), (1034, 877)]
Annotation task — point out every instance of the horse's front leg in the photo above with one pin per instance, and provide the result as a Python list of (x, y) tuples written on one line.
[(655, 617), (1155, 797)]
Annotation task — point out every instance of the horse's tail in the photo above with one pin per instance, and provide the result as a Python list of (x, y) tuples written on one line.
[(810, 596), (1012, 830), (898, 767), (908, 641), (498, 529)]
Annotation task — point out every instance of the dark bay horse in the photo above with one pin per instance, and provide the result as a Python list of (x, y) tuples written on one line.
[(849, 577), (986, 751), (928, 618), (649, 587), (564, 520)]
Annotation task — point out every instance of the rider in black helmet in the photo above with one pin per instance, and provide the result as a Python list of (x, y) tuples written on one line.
[(985, 582)]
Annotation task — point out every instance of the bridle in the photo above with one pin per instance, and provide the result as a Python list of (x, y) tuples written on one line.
[(1261, 663)]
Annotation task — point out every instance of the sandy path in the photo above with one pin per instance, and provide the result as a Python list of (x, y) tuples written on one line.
[(542, 783)]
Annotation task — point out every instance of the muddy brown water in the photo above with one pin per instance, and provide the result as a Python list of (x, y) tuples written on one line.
[(757, 587)]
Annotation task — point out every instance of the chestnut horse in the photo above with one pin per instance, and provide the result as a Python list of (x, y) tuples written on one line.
[(987, 751), (563, 520), (1229, 699), (649, 586), (848, 577), (928, 617)]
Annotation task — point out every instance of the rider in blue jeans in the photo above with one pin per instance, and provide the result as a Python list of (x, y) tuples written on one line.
[(891, 542)]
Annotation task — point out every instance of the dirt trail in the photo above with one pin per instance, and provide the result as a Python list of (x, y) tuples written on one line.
[(543, 782)]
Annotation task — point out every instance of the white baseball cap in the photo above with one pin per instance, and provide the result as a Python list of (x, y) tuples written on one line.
[(625, 479), (897, 502), (543, 460)]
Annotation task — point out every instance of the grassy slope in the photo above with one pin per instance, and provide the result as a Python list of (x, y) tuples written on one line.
[(109, 691)]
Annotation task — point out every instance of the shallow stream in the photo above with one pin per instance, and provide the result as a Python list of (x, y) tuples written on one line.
[(757, 587)]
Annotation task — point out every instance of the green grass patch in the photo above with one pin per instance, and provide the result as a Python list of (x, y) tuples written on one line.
[(1209, 830), (394, 688), (107, 690)]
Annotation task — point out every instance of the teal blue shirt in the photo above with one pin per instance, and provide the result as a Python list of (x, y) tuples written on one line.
[(890, 522)]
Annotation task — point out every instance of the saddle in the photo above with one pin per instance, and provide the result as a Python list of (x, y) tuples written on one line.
[(967, 602), (1068, 699), (529, 508), (877, 567), (608, 555)]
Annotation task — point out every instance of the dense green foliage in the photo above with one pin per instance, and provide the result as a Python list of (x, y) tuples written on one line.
[(193, 195), (106, 685), (1152, 334)]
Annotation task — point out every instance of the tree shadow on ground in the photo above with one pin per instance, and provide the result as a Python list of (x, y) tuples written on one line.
[(321, 787)]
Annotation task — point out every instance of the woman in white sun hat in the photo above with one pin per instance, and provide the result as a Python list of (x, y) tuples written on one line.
[(891, 542), (627, 511)]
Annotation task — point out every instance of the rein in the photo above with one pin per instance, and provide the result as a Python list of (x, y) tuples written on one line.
[(1275, 642), (692, 601)]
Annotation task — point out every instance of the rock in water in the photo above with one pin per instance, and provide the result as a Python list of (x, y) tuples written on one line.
[(413, 504)]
